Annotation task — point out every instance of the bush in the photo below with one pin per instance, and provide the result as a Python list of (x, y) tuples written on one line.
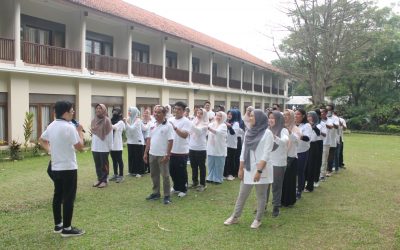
[(391, 128), (15, 150)]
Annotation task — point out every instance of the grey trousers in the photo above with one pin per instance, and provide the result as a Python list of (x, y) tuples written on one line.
[(157, 168), (244, 192), (279, 174)]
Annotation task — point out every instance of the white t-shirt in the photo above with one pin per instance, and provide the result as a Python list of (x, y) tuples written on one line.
[(211, 115), (262, 152), (231, 140), (216, 144), (181, 145), (134, 133), (118, 128), (159, 136), (146, 129), (314, 136), (306, 130), (62, 136), (198, 138), (294, 140), (331, 133), (344, 125), (279, 156)]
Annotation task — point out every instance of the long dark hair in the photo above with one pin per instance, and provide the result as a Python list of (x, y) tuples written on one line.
[(116, 115), (304, 114)]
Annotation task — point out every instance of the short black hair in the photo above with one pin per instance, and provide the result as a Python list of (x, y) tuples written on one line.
[(207, 102), (330, 105), (304, 114), (180, 104), (61, 107)]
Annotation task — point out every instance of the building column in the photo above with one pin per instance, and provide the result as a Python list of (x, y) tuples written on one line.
[(190, 64), (17, 33), (262, 103), (84, 103), (129, 97), (227, 73), (130, 74), (83, 41), (252, 80), (270, 84), (262, 83), (164, 96), (211, 68), (212, 100), (278, 86), (253, 101), (241, 77), (164, 55), (18, 105), (228, 102), (242, 104), (191, 101)]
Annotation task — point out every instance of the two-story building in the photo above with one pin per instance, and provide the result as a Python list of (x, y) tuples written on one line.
[(111, 52)]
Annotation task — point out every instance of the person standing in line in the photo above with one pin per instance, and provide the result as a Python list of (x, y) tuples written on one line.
[(246, 117), (146, 124), (240, 134), (232, 123), (255, 167), (216, 148), (135, 141), (118, 126), (169, 112), (342, 128), (210, 113), (289, 181), (102, 142), (302, 148), (61, 138), (276, 124), (157, 153), (198, 149), (313, 153), (325, 145), (180, 150), (320, 146), (332, 125)]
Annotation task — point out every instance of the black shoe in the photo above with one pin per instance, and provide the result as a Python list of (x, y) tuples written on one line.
[(167, 200), (209, 181), (153, 197), (275, 212), (58, 229), (71, 233)]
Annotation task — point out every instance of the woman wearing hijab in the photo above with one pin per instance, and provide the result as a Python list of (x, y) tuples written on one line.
[(102, 142), (246, 117), (198, 149), (118, 127), (232, 123), (135, 141), (302, 148), (278, 157), (240, 134), (314, 153), (255, 167), (216, 148), (169, 112), (146, 124), (289, 181)]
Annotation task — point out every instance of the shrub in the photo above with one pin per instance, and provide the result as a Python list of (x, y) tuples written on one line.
[(391, 128), (15, 150), (28, 128)]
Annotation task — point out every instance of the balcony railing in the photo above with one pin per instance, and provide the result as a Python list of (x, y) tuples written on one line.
[(106, 64), (267, 89), (50, 55), (200, 78), (281, 92), (274, 91), (219, 81), (147, 70), (258, 88), (177, 74), (247, 86), (235, 84), (6, 49)]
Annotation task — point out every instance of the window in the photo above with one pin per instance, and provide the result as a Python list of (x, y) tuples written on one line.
[(196, 65), (40, 31), (42, 117), (215, 69), (99, 44), (172, 59), (140, 53)]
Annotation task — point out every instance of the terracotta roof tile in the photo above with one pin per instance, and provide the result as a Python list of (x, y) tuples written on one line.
[(138, 15)]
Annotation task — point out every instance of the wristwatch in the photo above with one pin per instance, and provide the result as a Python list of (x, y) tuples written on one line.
[(259, 171)]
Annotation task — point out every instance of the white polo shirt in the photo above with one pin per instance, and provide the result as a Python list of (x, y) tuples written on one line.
[(62, 136), (331, 134), (159, 136), (134, 134), (118, 128), (306, 130), (181, 145)]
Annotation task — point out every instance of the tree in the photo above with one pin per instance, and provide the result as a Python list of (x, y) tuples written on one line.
[(28, 128)]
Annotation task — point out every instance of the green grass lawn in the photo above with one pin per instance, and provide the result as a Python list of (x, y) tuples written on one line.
[(359, 208)]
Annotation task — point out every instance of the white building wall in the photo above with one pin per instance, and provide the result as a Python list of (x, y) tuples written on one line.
[(6, 19)]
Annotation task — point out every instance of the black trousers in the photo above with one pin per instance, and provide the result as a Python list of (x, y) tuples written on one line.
[(312, 165), (289, 183), (135, 159), (317, 169), (178, 172), (230, 162), (102, 165), (118, 163), (65, 185), (198, 162), (341, 163), (331, 158)]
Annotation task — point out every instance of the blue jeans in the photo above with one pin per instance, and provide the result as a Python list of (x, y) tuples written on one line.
[(215, 168)]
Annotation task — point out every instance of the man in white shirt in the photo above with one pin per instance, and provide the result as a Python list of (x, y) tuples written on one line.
[(210, 113), (332, 125), (158, 145), (180, 150), (61, 138), (339, 150)]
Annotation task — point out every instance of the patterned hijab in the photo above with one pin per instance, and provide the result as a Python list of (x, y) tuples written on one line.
[(254, 135), (101, 124)]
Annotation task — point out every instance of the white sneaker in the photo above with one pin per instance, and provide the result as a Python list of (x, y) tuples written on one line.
[(230, 178), (256, 224), (231, 220), (138, 176), (316, 184), (181, 194), (173, 191)]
